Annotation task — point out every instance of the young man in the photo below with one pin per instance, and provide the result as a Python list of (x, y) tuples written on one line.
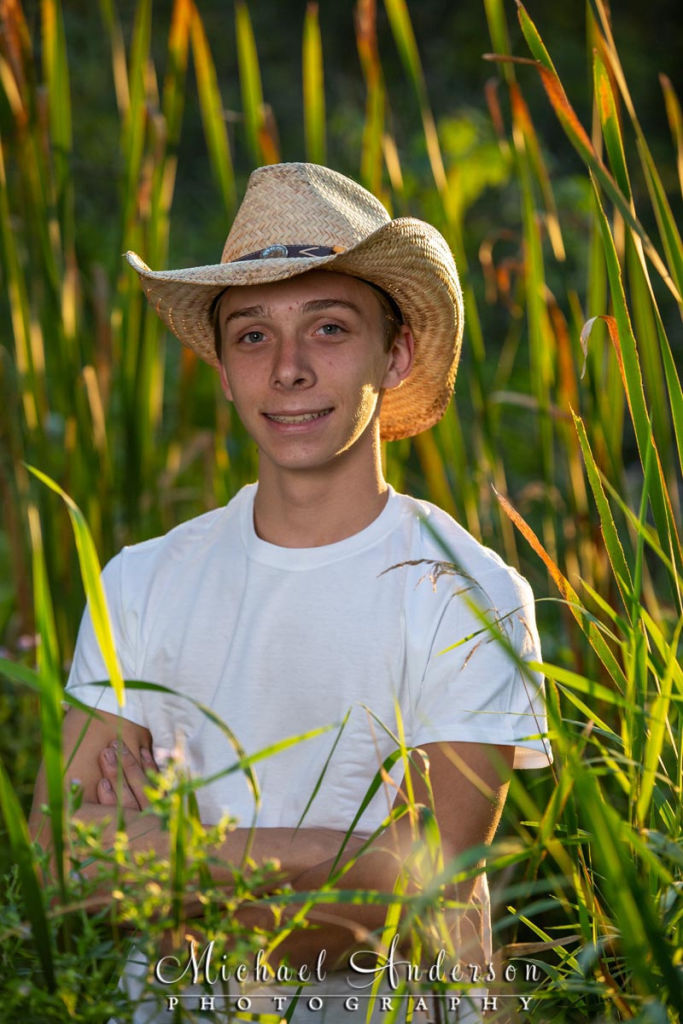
[(318, 595)]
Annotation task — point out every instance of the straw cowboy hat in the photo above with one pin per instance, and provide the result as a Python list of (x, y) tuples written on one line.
[(300, 217)]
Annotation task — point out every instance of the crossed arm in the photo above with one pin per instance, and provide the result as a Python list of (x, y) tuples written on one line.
[(468, 780)]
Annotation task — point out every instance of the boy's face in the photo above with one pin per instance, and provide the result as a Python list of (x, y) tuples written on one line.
[(304, 362)]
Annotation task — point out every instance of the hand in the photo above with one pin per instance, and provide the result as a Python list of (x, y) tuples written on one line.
[(122, 785), (124, 777)]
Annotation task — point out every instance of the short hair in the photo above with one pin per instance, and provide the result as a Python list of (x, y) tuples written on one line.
[(392, 316)]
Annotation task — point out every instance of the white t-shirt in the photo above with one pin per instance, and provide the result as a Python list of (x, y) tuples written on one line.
[(279, 641)]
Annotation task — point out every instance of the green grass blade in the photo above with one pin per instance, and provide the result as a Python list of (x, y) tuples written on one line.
[(94, 591), (402, 29), (641, 930), (260, 141), (22, 853), (609, 120), (174, 83), (673, 112), (577, 136), (313, 87), (593, 634), (534, 41), (371, 164), (323, 770), (615, 551), (498, 30), (582, 684), (135, 121), (622, 337), (658, 717), (56, 73), (666, 222), (211, 107), (673, 384), (51, 694)]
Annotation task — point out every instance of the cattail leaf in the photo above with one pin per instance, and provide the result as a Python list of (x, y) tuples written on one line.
[(250, 78), (313, 87), (211, 108), (402, 29)]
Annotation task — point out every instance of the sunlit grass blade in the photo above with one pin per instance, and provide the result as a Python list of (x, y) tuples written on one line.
[(525, 127), (648, 326), (609, 119), (31, 389), (313, 87), (56, 73), (174, 83), (498, 30), (640, 929), (134, 123), (401, 26), (673, 112), (582, 684), (323, 770), (211, 107), (118, 56), (665, 221), (51, 693), (622, 337), (94, 591), (647, 532), (371, 164), (260, 133), (597, 642), (658, 717), (622, 573), (577, 136)]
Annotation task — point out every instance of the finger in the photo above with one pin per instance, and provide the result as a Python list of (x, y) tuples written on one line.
[(136, 777), (114, 782), (147, 760), (106, 795)]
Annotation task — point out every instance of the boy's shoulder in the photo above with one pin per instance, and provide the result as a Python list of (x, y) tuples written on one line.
[(447, 540), (189, 541)]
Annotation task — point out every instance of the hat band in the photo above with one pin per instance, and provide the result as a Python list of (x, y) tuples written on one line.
[(280, 252)]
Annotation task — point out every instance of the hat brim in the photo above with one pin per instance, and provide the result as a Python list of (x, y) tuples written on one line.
[(406, 257)]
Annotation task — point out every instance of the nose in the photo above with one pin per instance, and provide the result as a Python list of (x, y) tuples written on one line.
[(291, 365)]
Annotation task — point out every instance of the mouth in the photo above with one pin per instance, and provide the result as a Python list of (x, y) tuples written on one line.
[(301, 417)]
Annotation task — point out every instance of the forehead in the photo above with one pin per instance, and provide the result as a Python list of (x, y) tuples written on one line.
[(297, 291)]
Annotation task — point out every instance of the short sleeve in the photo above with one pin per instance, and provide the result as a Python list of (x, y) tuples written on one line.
[(476, 686), (88, 666)]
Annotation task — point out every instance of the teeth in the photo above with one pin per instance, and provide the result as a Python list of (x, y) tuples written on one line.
[(304, 418)]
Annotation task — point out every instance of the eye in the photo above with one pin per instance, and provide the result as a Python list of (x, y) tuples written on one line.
[(329, 330), (251, 337)]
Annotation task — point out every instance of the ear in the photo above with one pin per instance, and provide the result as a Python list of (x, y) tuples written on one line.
[(401, 355), (225, 383)]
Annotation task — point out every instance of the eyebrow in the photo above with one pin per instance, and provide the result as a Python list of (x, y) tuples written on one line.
[(313, 306), (246, 312)]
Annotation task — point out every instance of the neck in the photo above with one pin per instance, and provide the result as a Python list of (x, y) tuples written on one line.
[(302, 509)]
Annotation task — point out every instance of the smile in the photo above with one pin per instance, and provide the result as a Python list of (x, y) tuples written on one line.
[(304, 417)]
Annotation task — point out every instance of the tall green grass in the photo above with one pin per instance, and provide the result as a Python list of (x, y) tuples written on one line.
[(563, 450)]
